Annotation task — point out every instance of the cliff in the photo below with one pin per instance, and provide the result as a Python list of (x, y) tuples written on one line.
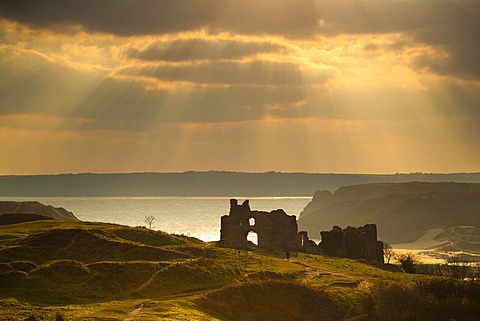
[(9, 207), (403, 212)]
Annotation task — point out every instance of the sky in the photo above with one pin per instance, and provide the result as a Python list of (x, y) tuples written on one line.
[(345, 86)]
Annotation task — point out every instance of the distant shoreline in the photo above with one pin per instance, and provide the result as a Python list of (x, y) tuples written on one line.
[(203, 184)]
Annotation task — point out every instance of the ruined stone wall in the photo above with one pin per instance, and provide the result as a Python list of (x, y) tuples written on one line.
[(278, 231), (353, 243), (275, 230)]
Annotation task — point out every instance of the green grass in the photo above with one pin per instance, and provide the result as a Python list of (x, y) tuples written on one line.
[(99, 271), (274, 300), (14, 218), (13, 309)]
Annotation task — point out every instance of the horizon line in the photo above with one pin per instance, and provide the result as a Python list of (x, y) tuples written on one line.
[(241, 172)]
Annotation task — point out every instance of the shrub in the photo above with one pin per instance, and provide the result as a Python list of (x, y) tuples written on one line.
[(407, 261), (428, 300)]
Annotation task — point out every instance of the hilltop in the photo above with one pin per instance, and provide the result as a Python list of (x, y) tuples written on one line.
[(33, 207), (212, 183), (73, 270), (403, 212)]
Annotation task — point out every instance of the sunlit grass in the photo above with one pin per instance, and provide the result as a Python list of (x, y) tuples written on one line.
[(92, 287)]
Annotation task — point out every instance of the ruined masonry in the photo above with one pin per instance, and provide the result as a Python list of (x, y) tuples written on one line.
[(278, 231)]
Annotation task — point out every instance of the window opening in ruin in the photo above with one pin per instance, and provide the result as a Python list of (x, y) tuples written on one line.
[(252, 237), (251, 221)]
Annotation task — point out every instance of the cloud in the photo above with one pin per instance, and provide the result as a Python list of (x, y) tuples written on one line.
[(225, 73), (34, 83), (460, 45), (140, 17), (180, 50), (120, 17), (451, 27), (130, 101)]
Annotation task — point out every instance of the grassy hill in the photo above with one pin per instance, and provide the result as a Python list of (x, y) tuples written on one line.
[(71, 270), (9, 207)]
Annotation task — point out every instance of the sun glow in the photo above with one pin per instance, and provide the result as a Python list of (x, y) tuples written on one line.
[(325, 94)]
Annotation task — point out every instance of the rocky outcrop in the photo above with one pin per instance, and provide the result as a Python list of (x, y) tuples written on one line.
[(8, 207)]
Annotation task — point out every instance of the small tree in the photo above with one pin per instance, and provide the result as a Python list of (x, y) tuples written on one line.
[(149, 219), (388, 252), (407, 261)]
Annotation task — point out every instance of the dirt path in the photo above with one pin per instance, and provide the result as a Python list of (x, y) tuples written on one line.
[(312, 272), (69, 245), (131, 315), (150, 279)]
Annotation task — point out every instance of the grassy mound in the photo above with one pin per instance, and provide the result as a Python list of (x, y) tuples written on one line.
[(68, 281), (85, 245), (59, 262), (152, 238), (14, 218), (193, 275), (275, 301)]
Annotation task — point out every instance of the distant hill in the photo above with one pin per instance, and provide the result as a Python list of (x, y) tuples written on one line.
[(9, 207), (212, 183), (403, 212)]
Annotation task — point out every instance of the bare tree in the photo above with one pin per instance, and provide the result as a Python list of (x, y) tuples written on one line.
[(461, 268), (388, 252), (149, 219)]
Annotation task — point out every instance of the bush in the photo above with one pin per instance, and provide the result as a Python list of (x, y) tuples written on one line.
[(430, 300), (407, 261)]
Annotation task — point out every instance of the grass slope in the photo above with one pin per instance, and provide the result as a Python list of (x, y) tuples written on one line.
[(98, 271)]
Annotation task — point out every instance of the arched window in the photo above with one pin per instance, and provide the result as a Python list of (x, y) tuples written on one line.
[(251, 221), (252, 237)]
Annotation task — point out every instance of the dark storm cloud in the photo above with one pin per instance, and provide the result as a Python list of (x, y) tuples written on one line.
[(462, 46), (202, 49), (136, 17), (120, 17), (449, 25), (227, 73), (140, 17)]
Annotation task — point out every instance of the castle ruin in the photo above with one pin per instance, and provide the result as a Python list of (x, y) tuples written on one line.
[(275, 230), (278, 231)]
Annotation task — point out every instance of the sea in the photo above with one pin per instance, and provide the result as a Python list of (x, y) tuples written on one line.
[(193, 216)]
